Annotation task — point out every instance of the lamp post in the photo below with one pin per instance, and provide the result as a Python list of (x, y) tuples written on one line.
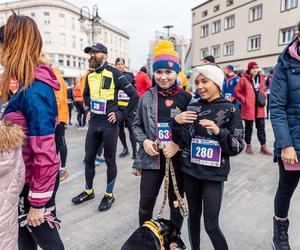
[(168, 27), (94, 19)]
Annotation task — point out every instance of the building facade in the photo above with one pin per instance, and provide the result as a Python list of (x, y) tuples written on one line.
[(64, 37), (238, 31)]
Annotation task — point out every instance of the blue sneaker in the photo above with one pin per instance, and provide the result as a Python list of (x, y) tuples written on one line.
[(99, 160)]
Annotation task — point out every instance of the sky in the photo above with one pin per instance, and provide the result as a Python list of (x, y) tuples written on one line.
[(141, 18)]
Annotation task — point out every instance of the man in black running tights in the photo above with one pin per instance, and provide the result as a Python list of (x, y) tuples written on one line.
[(101, 100)]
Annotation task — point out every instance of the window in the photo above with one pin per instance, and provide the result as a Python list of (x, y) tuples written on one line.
[(62, 21), (105, 36), (216, 8), (61, 60), (47, 38), (68, 61), (288, 4), (229, 22), (74, 42), (111, 39), (62, 37), (46, 17), (229, 2), (81, 43), (216, 27), (216, 51), (204, 31), (74, 61), (32, 15), (204, 13), (73, 23), (228, 48), (255, 13), (286, 35), (254, 42), (203, 53)]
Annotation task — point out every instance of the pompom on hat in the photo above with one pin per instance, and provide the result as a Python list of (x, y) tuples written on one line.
[(165, 57), (212, 72)]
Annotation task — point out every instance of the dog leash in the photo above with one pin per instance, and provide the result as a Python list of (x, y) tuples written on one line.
[(170, 169)]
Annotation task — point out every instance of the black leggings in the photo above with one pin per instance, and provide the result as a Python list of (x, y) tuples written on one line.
[(151, 181), (288, 181), (43, 236), (70, 108), (268, 105), (81, 116), (260, 127), (108, 134), (60, 141), (128, 124), (210, 194)]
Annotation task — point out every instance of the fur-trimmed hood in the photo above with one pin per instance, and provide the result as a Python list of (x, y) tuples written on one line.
[(11, 136)]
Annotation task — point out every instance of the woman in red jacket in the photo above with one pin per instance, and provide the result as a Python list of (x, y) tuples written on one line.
[(251, 92)]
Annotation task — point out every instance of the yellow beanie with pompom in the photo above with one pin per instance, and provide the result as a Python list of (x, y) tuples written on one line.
[(165, 57)]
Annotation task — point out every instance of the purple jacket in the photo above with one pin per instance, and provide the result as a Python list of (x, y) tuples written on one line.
[(35, 109)]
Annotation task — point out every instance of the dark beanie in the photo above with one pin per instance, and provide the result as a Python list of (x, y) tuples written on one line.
[(143, 69), (119, 59), (211, 59), (251, 65)]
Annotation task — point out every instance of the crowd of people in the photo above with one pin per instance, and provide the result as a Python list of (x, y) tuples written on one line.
[(186, 129)]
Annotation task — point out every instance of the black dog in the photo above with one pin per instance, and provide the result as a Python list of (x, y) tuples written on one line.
[(155, 235)]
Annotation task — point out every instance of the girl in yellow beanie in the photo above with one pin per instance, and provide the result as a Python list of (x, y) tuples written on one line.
[(156, 109)]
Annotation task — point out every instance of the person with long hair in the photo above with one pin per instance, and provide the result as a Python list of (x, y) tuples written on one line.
[(34, 108), (12, 175)]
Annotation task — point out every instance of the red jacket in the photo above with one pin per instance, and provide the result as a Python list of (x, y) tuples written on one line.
[(143, 83), (244, 92)]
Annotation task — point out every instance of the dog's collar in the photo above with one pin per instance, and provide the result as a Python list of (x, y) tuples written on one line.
[(156, 230)]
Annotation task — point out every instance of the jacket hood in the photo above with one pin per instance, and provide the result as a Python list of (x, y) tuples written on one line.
[(11, 136), (45, 74), (285, 56), (230, 77), (249, 77)]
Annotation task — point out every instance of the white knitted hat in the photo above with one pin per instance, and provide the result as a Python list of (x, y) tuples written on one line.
[(211, 71)]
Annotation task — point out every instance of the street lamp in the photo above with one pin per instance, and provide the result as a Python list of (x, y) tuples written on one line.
[(168, 27), (95, 19)]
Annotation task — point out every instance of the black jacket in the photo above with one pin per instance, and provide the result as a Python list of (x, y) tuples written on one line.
[(230, 138), (120, 82)]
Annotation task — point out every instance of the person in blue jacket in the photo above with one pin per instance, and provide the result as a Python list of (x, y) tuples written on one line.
[(230, 81), (285, 118)]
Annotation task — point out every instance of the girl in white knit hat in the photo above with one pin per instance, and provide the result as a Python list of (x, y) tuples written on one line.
[(209, 133)]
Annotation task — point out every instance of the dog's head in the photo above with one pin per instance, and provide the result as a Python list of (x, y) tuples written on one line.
[(170, 233), (155, 234)]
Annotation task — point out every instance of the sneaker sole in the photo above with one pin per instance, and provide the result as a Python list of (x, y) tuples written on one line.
[(103, 210), (80, 202)]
